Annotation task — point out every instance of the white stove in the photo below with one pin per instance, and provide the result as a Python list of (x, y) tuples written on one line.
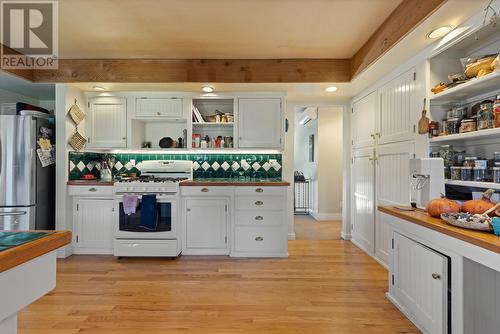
[(132, 237)]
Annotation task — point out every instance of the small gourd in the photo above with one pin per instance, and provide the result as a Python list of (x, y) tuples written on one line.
[(441, 205)]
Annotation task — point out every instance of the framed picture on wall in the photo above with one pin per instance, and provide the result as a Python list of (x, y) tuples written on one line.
[(311, 148)]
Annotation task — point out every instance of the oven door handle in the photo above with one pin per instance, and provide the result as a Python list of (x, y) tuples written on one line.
[(13, 213)]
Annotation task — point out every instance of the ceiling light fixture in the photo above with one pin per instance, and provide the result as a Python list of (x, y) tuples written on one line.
[(207, 89), (439, 32), (99, 88), (331, 89)]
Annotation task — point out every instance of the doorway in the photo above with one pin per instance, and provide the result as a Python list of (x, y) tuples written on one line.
[(318, 172)]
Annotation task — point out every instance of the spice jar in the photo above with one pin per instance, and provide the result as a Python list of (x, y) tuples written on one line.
[(467, 125), (452, 125), (496, 174), (447, 173), (466, 174), (456, 173), (485, 116), (479, 174), (446, 152), (496, 111), (433, 129), (470, 162), (497, 156)]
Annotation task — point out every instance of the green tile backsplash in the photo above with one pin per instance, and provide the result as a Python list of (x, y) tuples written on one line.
[(230, 166)]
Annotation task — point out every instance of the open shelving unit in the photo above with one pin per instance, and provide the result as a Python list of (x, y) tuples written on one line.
[(481, 143), (210, 106)]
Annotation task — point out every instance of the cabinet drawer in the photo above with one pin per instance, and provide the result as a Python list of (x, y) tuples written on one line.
[(259, 203), (259, 218), (159, 107), (206, 191), (259, 239), (145, 247), (91, 190), (249, 191)]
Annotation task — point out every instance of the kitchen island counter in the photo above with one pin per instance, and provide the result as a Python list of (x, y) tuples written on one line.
[(27, 270)]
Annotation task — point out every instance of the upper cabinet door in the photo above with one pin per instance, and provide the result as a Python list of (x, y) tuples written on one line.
[(260, 123), (108, 122), (398, 109), (364, 113), (159, 107)]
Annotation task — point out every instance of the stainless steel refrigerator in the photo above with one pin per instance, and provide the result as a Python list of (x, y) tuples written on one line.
[(27, 190)]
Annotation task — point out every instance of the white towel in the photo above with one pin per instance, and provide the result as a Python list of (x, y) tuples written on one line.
[(129, 204)]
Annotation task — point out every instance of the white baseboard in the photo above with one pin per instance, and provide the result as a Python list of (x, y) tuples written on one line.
[(373, 256), (326, 216), (291, 236), (345, 236)]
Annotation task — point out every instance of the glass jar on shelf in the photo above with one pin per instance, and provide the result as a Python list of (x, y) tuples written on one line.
[(452, 126), (496, 174), (480, 174), (456, 172), (446, 152), (485, 116), (496, 111), (466, 174), (470, 161)]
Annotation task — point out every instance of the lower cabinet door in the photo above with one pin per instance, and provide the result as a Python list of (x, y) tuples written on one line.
[(421, 284), (206, 226), (94, 219)]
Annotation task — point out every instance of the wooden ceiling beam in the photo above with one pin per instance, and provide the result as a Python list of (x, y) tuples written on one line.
[(408, 15), (198, 70)]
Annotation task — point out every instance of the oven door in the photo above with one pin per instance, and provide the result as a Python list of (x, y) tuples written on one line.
[(129, 226)]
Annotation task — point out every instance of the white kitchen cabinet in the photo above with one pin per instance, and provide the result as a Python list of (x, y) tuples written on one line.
[(420, 284), (392, 182), (364, 113), (107, 122), (363, 199), (260, 122), (159, 107), (93, 219), (205, 226), (398, 109)]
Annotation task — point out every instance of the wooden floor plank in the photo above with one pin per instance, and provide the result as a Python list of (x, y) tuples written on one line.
[(325, 286)]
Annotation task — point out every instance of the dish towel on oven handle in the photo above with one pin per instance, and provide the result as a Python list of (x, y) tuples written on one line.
[(129, 204), (149, 212)]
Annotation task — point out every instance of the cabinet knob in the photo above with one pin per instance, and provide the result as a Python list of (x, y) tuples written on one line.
[(158, 113), (93, 189), (204, 190), (259, 218), (124, 138), (259, 190), (378, 134), (372, 135), (259, 239), (436, 276), (259, 203)]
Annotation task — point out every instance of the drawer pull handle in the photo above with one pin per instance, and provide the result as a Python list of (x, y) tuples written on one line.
[(204, 190), (259, 190), (259, 218), (436, 276), (259, 203), (259, 239), (93, 189)]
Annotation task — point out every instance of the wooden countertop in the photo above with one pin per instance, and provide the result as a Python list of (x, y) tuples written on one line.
[(485, 240), (220, 183), (89, 183), (15, 256)]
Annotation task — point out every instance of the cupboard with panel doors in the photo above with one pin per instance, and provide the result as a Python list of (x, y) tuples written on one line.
[(107, 122), (383, 124)]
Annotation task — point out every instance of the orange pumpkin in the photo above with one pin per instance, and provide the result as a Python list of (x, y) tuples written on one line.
[(441, 205), (479, 206)]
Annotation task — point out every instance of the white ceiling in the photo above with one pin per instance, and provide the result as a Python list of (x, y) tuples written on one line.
[(227, 29)]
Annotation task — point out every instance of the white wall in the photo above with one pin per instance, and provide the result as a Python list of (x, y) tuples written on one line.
[(65, 98), (325, 172)]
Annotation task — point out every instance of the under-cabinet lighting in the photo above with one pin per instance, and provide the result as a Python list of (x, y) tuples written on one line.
[(331, 89), (99, 88), (207, 89), (439, 32)]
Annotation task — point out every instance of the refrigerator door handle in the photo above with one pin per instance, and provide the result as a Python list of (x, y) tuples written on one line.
[(13, 213)]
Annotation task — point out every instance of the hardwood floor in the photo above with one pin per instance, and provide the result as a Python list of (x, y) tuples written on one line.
[(323, 287), (307, 228)]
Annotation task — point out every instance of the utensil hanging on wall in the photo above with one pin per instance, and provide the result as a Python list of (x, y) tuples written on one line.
[(76, 114), (423, 123), (77, 141)]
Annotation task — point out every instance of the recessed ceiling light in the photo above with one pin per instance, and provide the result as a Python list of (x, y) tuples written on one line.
[(331, 89), (439, 32), (207, 89), (99, 88)]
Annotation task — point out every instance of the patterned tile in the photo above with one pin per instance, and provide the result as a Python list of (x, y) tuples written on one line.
[(235, 166), (255, 166), (71, 165), (80, 166), (196, 165), (205, 165), (225, 165), (215, 165)]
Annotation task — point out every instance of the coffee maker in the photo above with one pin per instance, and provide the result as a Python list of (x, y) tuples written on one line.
[(427, 180)]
